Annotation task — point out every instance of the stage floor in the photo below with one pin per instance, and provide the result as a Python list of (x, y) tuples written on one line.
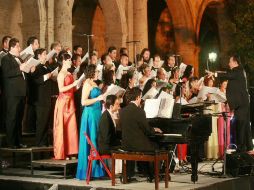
[(179, 181)]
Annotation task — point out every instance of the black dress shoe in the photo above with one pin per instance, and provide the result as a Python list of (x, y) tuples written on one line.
[(194, 178)]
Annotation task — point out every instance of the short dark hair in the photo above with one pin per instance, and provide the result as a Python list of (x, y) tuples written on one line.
[(13, 42), (110, 101), (133, 94), (123, 55), (63, 56), (38, 52), (236, 58), (111, 48), (31, 40), (5, 38), (90, 71), (75, 57), (103, 57), (122, 49), (170, 54), (76, 47)]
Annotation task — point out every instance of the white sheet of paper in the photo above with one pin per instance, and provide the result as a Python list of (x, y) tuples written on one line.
[(206, 90), (165, 95), (28, 50), (152, 107), (54, 73), (85, 57), (50, 54), (166, 107), (218, 98), (150, 93), (80, 80), (113, 90), (29, 64)]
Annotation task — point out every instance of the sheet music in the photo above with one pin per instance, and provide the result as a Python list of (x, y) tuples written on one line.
[(206, 90), (50, 54), (218, 97), (182, 68), (54, 73), (85, 57), (114, 90), (166, 108), (28, 50), (80, 80), (150, 94), (165, 95), (121, 70), (152, 107), (29, 64)]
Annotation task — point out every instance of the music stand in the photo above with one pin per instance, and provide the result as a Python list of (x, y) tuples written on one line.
[(225, 124), (134, 42)]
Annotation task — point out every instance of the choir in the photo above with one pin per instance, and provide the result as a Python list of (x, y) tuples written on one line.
[(76, 85)]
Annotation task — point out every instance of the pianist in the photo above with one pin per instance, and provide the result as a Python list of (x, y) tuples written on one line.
[(135, 128), (107, 138)]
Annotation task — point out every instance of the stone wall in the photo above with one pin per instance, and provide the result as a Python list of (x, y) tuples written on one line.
[(113, 22)]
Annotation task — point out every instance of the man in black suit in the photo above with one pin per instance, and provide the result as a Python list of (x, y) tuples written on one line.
[(5, 47), (136, 130), (134, 125), (14, 83), (107, 138), (41, 98), (238, 101)]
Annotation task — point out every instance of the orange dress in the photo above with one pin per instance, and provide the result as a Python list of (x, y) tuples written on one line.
[(65, 125)]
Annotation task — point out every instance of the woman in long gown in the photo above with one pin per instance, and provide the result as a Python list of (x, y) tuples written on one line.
[(223, 108), (65, 126), (91, 100)]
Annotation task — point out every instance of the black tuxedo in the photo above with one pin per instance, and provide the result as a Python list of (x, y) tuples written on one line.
[(41, 99), (135, 129), (238, 100), (14, 88), (107, 137)]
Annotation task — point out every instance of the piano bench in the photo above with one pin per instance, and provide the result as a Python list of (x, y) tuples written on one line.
[(155, 157)]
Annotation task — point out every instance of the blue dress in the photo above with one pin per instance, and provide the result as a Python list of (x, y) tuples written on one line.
[(90, 124)]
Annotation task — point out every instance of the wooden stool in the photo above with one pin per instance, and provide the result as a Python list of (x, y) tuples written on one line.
[(155, 157)]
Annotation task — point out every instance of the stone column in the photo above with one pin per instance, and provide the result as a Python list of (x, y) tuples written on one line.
[(63, 22), (140, 23)]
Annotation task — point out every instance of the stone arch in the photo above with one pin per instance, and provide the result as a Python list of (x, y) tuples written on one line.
[(112, 29), (116, 32), (33, 20), (204, 4), (182, 20), (23, 19)]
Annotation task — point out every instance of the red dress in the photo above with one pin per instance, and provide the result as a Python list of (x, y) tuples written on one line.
[(65, 125)]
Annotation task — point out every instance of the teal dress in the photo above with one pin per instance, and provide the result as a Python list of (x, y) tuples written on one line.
[(90, 124)]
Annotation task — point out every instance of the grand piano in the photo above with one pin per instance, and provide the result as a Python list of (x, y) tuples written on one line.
[(190, 126)]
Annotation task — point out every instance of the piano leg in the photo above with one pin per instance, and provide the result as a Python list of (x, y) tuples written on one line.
[(194, 148)]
